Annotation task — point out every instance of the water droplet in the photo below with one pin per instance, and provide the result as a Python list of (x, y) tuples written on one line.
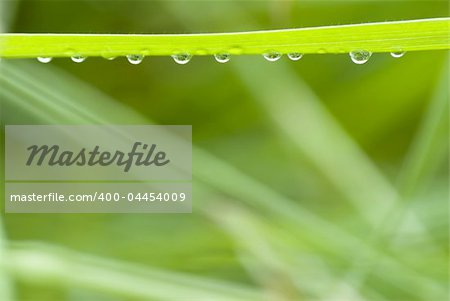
[(397, 54), (360, 56), (135, 58), (222, 57), (77, 58), (272, 56), (44, 60), (182, 58), (295, 56)]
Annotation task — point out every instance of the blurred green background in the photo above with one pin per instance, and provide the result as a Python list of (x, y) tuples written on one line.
[(313, 180)]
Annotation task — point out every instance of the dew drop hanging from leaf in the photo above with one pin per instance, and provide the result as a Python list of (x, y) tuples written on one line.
[(360, 56), (182, 58)]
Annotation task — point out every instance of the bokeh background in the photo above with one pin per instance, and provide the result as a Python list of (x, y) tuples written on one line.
[(313, 180)]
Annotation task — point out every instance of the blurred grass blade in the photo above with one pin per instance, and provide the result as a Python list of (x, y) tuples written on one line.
[(412, 35), (428, 150), (425, 151), (283, 268), (57, 105), (301, 118), (431, 142), (6, 288), (6, 291), (263, 263), (233, 182), (41, 264), (398, 275), (230, 180)]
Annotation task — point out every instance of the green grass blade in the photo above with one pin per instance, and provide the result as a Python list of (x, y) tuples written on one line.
[(426, 34), (6, 289), (266, 266), (300, 117), (41, 264), (6, 292), (230, 180), (430, 146)]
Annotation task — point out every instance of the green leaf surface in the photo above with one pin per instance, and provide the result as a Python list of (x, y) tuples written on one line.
[(413, 35)]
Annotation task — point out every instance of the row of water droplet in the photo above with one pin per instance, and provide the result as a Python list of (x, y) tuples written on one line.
[(358, 57)]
